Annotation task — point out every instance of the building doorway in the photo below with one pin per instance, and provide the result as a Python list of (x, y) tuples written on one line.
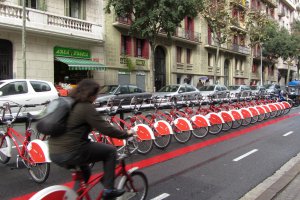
[(226, 72), (6, 71), (159, 68)]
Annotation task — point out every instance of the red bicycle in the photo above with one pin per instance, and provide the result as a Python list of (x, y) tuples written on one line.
[(33, 154), (132, 180)]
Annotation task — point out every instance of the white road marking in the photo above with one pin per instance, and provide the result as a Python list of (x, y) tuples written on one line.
[(162, 196), (245, 155), (288, 133)]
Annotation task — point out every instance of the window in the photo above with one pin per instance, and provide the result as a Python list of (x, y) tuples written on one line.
[(75, 8), (40, 86), (125, 45), (188, 56), (31, 4), (210, 60), (254, 68), (179, 52), (34, 4), (237, 64), (190, 88), (13, 88), (141, 48), (123, 90)]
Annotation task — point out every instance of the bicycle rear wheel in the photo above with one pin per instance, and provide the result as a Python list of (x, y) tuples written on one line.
[(261, 117), (144, 146), (39, 172), (136, 186), (227, 126), (182, 136), (162, 141), (246, 121), (215, 128), (254, 119), (237, 123), (3, 149), (200, 132)]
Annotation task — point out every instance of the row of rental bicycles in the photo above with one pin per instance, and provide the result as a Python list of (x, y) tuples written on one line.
[(155, 123), (182, 118)]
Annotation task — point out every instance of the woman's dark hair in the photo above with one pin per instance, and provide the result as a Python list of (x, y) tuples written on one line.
[(85, 90)]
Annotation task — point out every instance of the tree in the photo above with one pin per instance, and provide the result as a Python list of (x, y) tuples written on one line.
[(216, 14), (151, 17), (257, 23), (296, 34), (282, 44)]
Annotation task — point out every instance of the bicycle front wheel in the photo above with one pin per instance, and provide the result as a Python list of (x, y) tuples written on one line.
[(39, 172), (136, 186), (3, 149), (215, 129), (144, 146), (227, 126)]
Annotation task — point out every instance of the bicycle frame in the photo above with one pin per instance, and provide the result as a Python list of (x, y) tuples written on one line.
[(86, 187)]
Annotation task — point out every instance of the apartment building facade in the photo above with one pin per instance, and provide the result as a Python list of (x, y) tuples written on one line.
[(64, 40)]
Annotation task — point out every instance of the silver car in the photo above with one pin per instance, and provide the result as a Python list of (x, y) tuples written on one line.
[(177, 90), (258, 89), (214, 91), (239, 91)]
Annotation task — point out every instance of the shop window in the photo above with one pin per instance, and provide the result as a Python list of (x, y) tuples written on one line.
[(75, 8), (179, 54), (125, 45), (188, 56), (141, 48)]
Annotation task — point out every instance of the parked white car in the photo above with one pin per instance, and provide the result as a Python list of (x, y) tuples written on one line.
[(26, 91)]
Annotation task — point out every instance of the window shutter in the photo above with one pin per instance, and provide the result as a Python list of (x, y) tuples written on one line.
[(186, 23), (209, 35), (42, 5), (121, 45), (145, 50), (67, 8), (135, 47), (128, 46)]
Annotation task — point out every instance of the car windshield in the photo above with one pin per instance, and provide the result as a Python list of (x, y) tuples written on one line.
[(233, 87), (253, 87), (108, 89), (269, 86), (207, 88), (169, 88)]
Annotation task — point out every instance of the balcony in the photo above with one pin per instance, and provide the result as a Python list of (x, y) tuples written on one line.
[(238, 25), (122, 22), (240, 3), (50, 24), (271, 3), (255, 75), (183, 68), (232, 48), (239, 73)]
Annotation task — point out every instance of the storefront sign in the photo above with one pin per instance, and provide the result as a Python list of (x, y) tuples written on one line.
[(68, 52)]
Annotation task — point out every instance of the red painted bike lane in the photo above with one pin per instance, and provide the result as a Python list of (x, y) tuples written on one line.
[(184, 150)]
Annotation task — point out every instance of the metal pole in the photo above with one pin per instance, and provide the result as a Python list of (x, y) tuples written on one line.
[(24, 38), (261, 74)]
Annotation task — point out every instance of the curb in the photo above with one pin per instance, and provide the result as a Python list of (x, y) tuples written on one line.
[(273, 185)]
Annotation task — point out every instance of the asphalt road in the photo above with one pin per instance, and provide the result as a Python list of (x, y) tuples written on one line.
[(222, 167)]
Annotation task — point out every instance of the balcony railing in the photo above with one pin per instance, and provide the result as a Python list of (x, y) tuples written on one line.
[(187, 34), (230, 47), (38, 21)]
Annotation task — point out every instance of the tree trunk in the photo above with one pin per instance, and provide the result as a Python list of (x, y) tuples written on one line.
[(152, 68), (250, 63), (217, 62), (288, 74)]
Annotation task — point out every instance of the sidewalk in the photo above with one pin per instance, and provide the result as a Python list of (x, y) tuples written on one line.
[(283, 185)]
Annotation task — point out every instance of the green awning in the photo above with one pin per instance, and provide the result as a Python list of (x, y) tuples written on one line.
[(81, 64)]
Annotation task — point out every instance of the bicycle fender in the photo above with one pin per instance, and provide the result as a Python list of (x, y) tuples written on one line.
[(237, 115), (254, 111), (261, 109), (214, 118), (272, 107), (55, 192), (183, 124), (246, 113), (39, 151), (286, 104), (279, 106), (267, 108), (200, 121), (163, 127), (7, 150), (144, 132), (227, 116)]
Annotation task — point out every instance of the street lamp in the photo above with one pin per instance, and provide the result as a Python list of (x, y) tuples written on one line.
[(24, 38), (261, 66)]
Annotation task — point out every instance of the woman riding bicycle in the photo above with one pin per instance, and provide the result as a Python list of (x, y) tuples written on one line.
[(73, 148)]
